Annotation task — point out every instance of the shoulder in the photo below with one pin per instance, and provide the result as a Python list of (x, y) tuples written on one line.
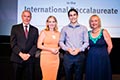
[(83, 26), (57, 32), (33, 28), (65, 28), (106, 33), (89, 31), (16, 26), (43, 32)]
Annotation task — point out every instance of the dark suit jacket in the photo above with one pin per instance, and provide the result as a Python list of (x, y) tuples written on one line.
[(19, 42)]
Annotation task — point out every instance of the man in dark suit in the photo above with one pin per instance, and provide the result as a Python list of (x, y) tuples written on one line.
[(23, 42)]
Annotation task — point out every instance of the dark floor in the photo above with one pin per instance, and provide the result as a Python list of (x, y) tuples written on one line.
[(114, 77)]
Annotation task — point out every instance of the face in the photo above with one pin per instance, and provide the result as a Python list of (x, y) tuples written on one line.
[(73, 17), (51, 23), (26, 17), (94, 22)]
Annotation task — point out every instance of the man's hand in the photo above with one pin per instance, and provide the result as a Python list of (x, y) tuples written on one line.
[(73, 52), (24, 56), (76, 51)]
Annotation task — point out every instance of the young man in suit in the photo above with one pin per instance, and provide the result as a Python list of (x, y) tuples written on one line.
[(23, 42)]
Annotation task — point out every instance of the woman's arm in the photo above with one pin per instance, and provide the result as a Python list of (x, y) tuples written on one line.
[(108, 40), (41, 46)]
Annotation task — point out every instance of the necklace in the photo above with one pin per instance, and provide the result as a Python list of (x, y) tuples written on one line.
[(53, 36), (95, 31)]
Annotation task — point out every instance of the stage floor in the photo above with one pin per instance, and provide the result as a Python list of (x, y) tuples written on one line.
[(114, 77)]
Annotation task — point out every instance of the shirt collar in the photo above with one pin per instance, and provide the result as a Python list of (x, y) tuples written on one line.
[(77, 25), (27, 25)]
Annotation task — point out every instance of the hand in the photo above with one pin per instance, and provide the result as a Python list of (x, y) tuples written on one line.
[(70, 50), (27, 56), (24, 56), (76, 51), (73, 52), (55, 50)]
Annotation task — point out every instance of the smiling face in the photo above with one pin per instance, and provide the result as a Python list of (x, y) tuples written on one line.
[(95, 22), (73, 16), (51, 23)]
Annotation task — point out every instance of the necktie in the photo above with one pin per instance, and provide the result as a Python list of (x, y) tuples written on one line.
[(26, 32)]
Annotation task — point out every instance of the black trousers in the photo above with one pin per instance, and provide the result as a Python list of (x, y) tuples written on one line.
[(23, 71), (74, 65)]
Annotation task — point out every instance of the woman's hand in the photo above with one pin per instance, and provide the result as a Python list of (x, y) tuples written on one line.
[(55, 50)]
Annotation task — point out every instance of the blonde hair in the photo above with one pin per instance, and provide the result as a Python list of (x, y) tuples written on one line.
[(98, 19), (47, 27)]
